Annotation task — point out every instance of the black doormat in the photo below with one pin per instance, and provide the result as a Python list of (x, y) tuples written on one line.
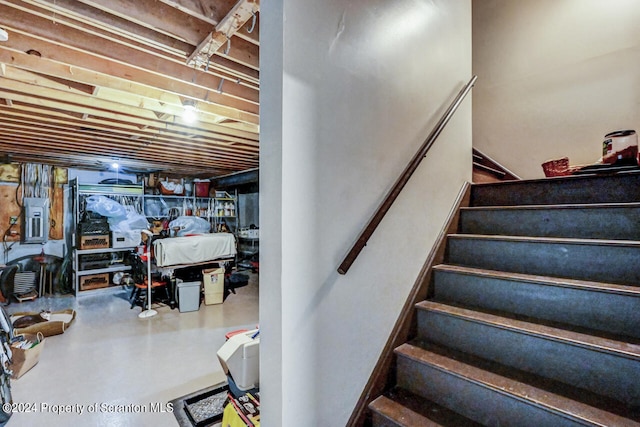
[(202, 408)]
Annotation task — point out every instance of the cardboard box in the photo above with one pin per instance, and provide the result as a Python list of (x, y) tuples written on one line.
[(25, 359), (94, 281), (95, 242), (213, 279), (213, 298), (125, 240)]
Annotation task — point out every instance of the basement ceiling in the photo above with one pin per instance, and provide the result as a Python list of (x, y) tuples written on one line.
[(84, 83)]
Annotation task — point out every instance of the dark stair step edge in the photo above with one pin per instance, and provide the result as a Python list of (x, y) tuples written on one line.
[(542, 392), (560, 206), (542, 280), (617, 188), (591, 342), (559, 240), (403, 408), (457, 254), (611, 288)]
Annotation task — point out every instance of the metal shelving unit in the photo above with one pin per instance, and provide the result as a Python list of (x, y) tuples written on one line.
[(78, 193), (216, 210)]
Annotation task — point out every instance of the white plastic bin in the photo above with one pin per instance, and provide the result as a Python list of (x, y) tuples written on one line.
[(189, 296)]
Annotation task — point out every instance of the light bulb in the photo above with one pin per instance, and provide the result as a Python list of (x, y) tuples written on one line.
[(190, 113)]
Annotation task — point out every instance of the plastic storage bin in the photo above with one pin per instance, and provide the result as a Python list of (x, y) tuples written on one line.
[(189, 296), (201, 187)]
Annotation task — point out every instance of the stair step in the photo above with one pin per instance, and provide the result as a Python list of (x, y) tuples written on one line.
[(619, 188), (611, 261), (490, 398), (618, 221), (389, 413), (604, 366), (403, 408), (604, 307)]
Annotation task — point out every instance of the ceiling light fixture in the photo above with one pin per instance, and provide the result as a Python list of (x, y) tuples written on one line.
[(190, 112), (4, 36)]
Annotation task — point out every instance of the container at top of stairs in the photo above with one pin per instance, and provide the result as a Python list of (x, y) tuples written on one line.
[(620, 146)]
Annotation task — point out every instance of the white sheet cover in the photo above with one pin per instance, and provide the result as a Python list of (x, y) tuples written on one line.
[(194, 249)]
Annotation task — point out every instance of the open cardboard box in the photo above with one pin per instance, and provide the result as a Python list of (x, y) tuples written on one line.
[(23, 359)]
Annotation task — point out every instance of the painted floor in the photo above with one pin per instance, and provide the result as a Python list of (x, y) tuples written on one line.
[(111, 368)]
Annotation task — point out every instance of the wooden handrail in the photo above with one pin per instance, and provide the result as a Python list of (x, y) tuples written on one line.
[(402, 180)]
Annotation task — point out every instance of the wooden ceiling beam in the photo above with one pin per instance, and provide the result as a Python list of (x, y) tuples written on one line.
[(24, 144), (171, 132), (124, 130), (63, 146), (160, 109), (97, 75), (103, 163), (213, 12), (125, 31), (32, 145), (241, 12), (117, 25), (173, 21), (127, 57), (74, 134)]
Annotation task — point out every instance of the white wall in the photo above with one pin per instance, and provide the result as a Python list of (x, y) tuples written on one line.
[(349, 91), (554, 76)]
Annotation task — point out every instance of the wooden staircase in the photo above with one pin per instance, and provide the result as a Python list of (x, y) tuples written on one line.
[(533, 318)]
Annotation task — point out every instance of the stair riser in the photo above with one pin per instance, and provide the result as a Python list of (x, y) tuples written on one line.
[(603, 373), (601, 263), (604, 311), (623, 188), (482, 404), (593, 223)]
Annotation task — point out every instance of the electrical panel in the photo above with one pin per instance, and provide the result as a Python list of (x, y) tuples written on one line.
[(36, 220)]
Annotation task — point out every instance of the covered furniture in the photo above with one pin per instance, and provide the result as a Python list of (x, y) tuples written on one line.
[(179, 252)]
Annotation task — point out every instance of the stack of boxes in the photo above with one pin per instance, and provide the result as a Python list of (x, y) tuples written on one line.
[(94, 234)]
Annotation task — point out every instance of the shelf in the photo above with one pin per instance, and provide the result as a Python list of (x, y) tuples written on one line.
[(111, 189), (111, 269), (167, 196), (103, 250), (107, 289)]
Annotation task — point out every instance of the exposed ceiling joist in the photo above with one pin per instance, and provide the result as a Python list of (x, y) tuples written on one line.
[(237, 17)]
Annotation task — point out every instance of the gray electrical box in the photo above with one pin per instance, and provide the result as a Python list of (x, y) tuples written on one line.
[(36, 220)]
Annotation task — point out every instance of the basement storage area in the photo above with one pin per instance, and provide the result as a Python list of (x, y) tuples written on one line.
[(129, 215)]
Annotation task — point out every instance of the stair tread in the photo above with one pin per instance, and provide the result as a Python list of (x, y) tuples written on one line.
[(520, 390), (558, 180), (545, 280), (407, 409), (561, 240), (400, 414), (595, 343), (555, 206)]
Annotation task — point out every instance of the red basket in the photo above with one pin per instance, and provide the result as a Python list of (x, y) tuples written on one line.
[(558, 167)]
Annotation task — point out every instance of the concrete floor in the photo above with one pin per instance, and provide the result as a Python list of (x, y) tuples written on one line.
[(109, 356)]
